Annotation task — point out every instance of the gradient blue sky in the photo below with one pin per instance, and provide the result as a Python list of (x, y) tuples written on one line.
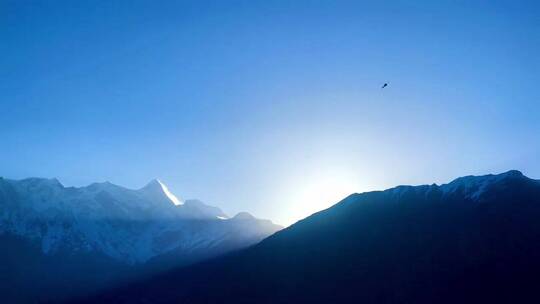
[(272, 107)]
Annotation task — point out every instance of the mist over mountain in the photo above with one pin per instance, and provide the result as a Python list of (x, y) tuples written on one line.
[(63, 241), (474, 240)]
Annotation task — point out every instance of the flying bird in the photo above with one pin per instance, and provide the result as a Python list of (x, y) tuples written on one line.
[(384, 85)]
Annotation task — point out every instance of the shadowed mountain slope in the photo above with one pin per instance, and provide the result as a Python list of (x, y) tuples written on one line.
[(476, 239)]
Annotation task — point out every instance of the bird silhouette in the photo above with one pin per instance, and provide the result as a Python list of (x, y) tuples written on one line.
[(384, 85)]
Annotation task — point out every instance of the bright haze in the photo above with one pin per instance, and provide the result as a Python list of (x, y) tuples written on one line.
[(270, 107)]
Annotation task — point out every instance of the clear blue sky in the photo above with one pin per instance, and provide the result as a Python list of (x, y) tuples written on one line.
[(272, 107)]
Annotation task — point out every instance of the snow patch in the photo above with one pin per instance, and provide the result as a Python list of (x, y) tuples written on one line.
[(168, 193)]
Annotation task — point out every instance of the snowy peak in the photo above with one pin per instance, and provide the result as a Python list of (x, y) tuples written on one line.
[(471, 187), (473, 179), (35, 182), (474, 187), (154, 184), (196, 206), (158, 190), (244, 216), (125, 224)]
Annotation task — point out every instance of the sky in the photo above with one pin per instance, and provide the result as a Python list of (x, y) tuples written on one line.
[(270, 107)]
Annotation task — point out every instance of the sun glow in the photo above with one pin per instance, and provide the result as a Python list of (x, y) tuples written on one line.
[(319, 193)]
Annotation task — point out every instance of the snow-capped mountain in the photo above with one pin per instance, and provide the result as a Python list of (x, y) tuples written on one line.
[(131, 226)]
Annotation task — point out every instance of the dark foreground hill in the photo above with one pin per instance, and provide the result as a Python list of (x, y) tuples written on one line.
[(475, 240)]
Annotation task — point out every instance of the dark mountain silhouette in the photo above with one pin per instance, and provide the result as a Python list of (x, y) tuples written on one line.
[(474, 240)]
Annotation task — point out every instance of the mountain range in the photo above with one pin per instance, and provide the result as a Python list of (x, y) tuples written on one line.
[(473, 240), (59, 242)]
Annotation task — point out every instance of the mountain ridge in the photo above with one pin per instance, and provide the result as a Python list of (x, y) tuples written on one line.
[(39, 198), (124, 233), (475, 239)]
